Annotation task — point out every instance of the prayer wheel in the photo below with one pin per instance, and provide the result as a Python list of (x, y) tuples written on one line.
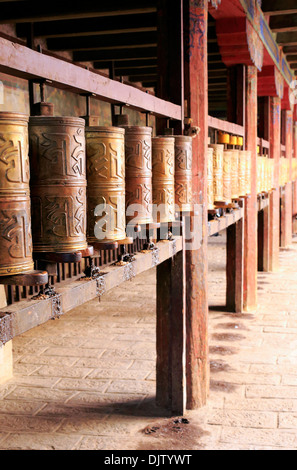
[(15, 235), (218, 160), (58, 184), (227, 177), (183, 173), (223, 138), (234, 174), (210, 192), (233, 140), (106, 184), (138, 150), (240, 141), (242, 173), (163, 179)]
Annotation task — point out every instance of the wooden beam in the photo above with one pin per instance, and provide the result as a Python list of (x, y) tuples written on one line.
[(283, 23), (290, 49), (279, 7), (221, 224), (113, 41), (25, 315), (125, 64), (21, 61), (287, 39), (225, 126), (18, 12), (91, 26), (115, 54)]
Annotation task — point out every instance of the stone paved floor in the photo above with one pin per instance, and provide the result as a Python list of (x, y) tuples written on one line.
[(87, 381)]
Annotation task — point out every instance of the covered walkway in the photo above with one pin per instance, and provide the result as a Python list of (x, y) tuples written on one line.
[(87, 381)]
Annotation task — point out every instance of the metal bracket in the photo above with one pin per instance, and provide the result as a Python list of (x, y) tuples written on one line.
[(100, 286), (173, 248), (6, 332), (129, 271), (56, 306), (155, 257)]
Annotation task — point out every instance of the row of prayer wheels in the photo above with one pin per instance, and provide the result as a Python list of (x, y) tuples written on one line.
[(77, 182), (265, 175), (227, 139), (229, 175)]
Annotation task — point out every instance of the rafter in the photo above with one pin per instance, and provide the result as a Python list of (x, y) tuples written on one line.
[(16, 12), (285, 39), (81, 43), (91, 26), (283, 23), (279, 7)]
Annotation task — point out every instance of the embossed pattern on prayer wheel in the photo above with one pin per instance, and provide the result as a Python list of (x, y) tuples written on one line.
[(163, 179), (234, 174), (139, 190), (106, 184), (183, 173), (242, 173), (58, 183), (227, 177), (218, 160), (210, 193), (15, 222)]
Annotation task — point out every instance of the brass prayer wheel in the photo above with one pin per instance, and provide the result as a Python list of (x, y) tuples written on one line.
[(58, 183), (218, 160), (163, 179), (210, 193), (15, 235), (106, 184), (183, 173), (138, 150), (234, 174), (227, 177), (223, 138), (242, 173)]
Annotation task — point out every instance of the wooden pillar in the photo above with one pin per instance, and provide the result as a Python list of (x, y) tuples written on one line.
[(287, 201), (264, 223), (295, 182), (170, 59), (171, 372), (263, 240), (251, 213), (235, 256), (274, 199), (196, 85), (171, 323)]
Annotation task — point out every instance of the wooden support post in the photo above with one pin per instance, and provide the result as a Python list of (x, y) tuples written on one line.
[(235, 255), (171, 331), (274, 198), (196, 79), (295, 182), (263, 240), (251, 213), (287, 206), (171, 372)]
